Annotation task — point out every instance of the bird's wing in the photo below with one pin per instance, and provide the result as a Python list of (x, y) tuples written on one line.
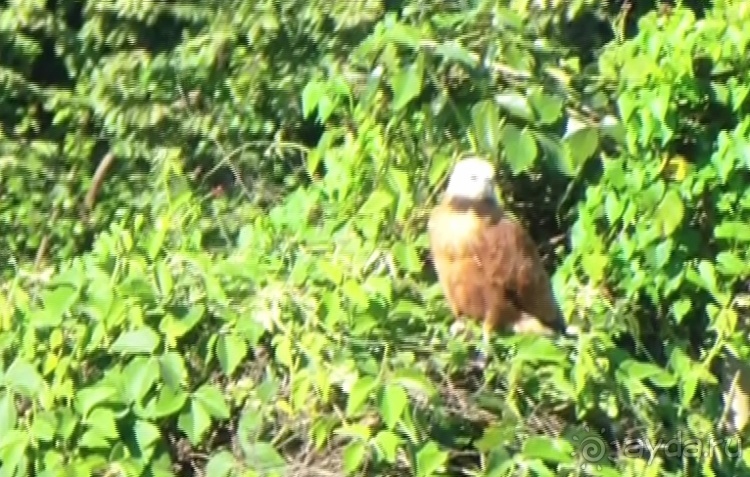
[(514, 266)]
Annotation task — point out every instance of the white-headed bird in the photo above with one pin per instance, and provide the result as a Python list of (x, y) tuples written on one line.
[(487, 264)]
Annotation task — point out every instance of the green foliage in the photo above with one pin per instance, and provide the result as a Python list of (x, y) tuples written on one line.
[(244, 291)]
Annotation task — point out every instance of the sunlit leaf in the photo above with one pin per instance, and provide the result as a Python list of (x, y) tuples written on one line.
[(430, 459), (407, 84), (212, 400), (392, 404), (670, 212), (520, 148), (548, 449), (360, 393), (516, 105), (354, 453), (231, 350), (142, 340), (485, 118)]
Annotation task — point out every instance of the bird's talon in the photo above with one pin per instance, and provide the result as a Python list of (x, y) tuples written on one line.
[(457, 327), (481, 360)]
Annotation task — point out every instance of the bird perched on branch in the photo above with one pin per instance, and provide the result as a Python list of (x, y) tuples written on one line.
[(487, 264)]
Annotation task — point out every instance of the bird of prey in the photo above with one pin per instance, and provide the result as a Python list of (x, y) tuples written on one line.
[(486, 262)]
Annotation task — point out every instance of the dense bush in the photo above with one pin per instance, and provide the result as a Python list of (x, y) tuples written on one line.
[(214, 224)]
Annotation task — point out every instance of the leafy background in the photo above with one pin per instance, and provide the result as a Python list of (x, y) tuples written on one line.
[(214, 251)]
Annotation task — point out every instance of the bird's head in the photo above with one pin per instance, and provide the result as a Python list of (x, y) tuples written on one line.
[(472, 179)]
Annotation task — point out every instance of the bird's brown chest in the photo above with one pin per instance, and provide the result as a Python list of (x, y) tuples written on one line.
[(461, 252), (458, 231)]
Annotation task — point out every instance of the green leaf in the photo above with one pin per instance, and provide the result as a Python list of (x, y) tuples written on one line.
[(532, 348), (354, 453), (548, 108), (146, 435), (613, 207), (407, 257), (392, 404), (454, 51), (194, 422), (403, 34), (356, 431), (87, 398), (379, 200), (68, 420), (264, 457), (739, 92), (250, 423), (326, 105), (283, 351), (579, 147), (102, 420), (57, 302), (24, 378), (175, 328), (520, 148), (213, 400), (595, 264), (360, 392), (707, 273), (639, 371), (321, 430), (499, 463), (160, 464), (139, 376), (8, 412), (398, 180), (516, 105), (231, 349), (670, 212), (214, 290), (611, 127), (430, 459), (406, 308), (495, 436), (169, 401), (164, 278), (539, 468), (142, 340), (311, 94), (13, 447), (221, 464), (354, 292), (680, 308), (548, 449), (155, 244), (172, 368), (407, 84), (688, 387), (485, 118), (438, 166), (733, 230), (627, 102), (730, 264), (313, 161), (43, 426), (662, 253), (137, 286), (387, 442), (414, 380)]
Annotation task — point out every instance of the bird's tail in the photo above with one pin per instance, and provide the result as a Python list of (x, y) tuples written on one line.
[(531, 324)]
